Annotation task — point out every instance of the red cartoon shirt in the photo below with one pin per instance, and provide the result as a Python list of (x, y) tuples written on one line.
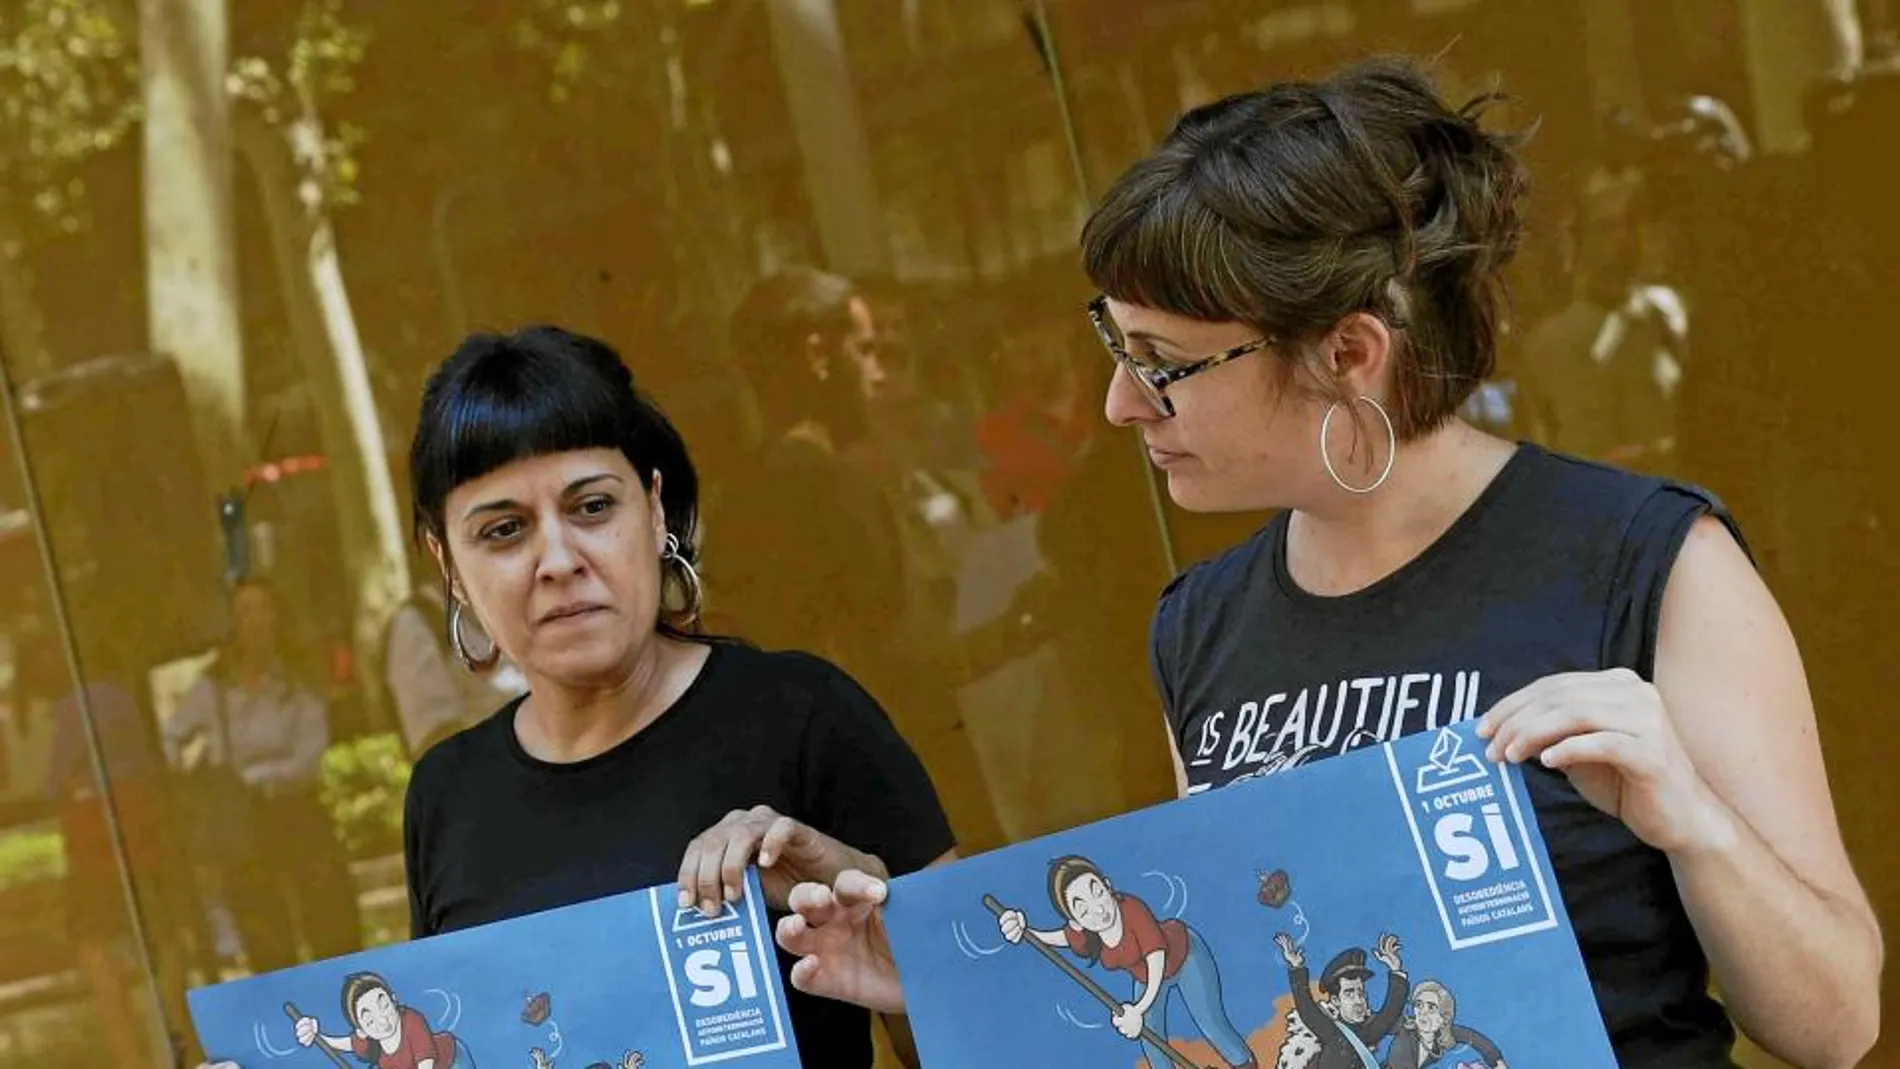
[(418, 1045), (1142, 935)]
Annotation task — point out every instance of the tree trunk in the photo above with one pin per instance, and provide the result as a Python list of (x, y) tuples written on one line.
[(190, 235), (22, 327), (324, 332)]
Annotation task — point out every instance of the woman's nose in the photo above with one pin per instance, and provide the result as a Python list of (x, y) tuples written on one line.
[(558, 555), (1126, 405)]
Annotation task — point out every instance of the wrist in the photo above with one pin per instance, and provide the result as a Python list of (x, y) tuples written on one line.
[(1711, 833)]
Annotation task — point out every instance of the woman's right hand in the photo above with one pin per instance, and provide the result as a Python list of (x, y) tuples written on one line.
[(1013, 924), (306, 1030), (837, 934)]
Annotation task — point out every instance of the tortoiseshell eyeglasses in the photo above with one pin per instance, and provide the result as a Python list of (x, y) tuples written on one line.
[(1154, 379)]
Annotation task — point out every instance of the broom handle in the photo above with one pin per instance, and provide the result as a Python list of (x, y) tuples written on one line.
[(1093, 988), (297, 1015)]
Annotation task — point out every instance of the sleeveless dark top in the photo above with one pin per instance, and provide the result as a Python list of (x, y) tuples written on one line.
[(1559, 566)]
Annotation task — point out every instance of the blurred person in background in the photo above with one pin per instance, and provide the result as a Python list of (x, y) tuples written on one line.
[(95, 902), (809, 547), (809, 550), (250, 737)]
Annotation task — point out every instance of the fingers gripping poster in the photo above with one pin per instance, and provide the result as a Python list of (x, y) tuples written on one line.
[(1390, 909), (627, 982)]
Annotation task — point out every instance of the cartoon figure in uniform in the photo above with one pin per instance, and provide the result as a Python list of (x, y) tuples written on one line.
[(1431, 1039), (633, 1059), (385, 1033), (1118, 931), (1340, 1031)]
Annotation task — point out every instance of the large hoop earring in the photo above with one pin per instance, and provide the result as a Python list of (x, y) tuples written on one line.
[(456, 642), (1391, 438), (670, 553)]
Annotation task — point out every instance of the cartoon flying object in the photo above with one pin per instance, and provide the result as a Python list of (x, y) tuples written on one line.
[(1275, 888), (539, 1008)]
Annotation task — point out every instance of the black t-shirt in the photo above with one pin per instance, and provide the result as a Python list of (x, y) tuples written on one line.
[(1559, 566), (492, 833)]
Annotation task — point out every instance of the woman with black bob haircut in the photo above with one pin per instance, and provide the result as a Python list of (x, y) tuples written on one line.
[(1301, 287), (561, 504)]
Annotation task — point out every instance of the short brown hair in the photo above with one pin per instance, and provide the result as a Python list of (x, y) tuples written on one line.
[(1294, 206), (355, 986)]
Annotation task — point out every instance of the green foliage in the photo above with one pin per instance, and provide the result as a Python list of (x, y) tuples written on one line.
[(362, 786), (31, 854), (571, 36), (69, 88), (321, 65)]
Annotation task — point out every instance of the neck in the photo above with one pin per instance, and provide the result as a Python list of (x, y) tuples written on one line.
[(562, 723), (1351, 541)]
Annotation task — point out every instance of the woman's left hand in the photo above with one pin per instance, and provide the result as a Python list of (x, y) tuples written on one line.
[(1609, 733), (788, 852)]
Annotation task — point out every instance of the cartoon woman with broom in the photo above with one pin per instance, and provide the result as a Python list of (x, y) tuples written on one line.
[(384, 1032), (1118, 931)]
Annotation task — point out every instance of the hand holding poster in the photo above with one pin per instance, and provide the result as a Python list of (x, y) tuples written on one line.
[(627, 982), (1390, 908)]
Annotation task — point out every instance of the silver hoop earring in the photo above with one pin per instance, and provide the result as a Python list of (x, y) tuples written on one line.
[(1391, 439), (460, 646), (689, 576)]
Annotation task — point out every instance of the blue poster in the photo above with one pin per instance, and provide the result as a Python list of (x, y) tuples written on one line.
[(626, 982), (1393, 907)]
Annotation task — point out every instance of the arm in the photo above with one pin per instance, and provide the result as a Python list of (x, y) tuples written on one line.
[(192, 715), (1056, 937), (1157, 961), (1140, 925), (1304, 1004), (1479, 1042), (306, 734), (1717, 765), (1397, 988), (420, 678), (1299, 981), (1770, 861)]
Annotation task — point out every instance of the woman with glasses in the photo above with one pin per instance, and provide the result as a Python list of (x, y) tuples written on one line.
[(1301, 286)]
